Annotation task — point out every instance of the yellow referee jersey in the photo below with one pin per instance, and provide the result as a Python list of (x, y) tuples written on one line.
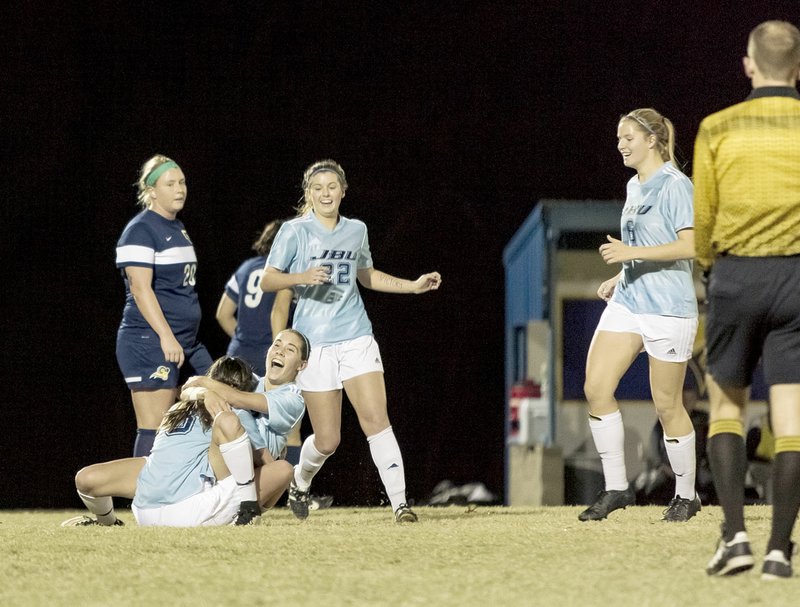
[(747, 178)]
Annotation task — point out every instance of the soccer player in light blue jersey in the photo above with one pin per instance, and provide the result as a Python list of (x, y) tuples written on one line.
[(322, 255), (201, 469), (161, 318), (652, 306), (251, 317)]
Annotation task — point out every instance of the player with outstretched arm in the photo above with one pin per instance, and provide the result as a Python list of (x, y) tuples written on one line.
[(323, 255)]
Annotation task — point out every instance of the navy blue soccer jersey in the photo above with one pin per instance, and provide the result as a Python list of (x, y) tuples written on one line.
[(253, 334), (152, 241)]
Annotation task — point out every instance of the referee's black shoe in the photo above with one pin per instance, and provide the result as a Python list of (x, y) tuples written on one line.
[(606, 502), (778, 564), (731, 557)]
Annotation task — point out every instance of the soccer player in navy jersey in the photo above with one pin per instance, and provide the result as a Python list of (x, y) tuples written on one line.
[(201, 469), (652, 306), (160, 321), (248, 315), (322, 255)]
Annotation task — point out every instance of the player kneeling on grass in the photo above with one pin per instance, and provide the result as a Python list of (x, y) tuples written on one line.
[(201, 469)]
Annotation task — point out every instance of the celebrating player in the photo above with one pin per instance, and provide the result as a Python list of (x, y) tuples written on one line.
[(200, 471), (161, 318), (652, 306), (321, 254)]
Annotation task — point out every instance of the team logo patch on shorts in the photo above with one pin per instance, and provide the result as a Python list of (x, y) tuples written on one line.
[(161, 373)]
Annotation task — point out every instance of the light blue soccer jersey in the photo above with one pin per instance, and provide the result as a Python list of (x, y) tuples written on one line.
[(270, 430), (152, 241), (253, 334), (654, 213), (176, 467), (334, 312)]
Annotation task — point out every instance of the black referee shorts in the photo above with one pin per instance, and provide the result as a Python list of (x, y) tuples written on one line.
[(754, 313)]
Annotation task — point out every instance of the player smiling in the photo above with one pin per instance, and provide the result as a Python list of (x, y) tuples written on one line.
[(652, 306), (323, 255)]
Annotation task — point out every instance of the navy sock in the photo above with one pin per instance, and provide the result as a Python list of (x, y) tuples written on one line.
[(293, 455), (144, 442)]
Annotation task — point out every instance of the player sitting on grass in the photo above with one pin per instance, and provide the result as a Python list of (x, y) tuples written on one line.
[(201, 469)]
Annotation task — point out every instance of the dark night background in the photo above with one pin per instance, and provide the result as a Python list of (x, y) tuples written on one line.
[(451, 119)]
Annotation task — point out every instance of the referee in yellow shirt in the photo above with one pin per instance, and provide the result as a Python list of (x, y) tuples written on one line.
[(747, 233)]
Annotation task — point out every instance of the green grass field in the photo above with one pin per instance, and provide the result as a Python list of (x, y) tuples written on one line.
[(357, 556)]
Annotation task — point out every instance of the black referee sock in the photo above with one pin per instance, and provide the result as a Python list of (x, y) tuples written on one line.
[(728, 459), (785, 493)]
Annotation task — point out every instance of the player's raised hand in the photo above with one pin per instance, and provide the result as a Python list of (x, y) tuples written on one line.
[(427, 282), (615, 251)]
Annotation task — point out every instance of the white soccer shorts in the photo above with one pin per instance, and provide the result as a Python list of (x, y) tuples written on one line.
[(667, 338)]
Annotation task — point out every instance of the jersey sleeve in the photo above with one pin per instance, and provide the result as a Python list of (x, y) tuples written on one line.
[(364, 254), (286, 407), (136, 247), (284, 248), (680, 204), (232, 288)]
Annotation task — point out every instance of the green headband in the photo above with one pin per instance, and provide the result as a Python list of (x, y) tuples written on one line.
[(157, 172)]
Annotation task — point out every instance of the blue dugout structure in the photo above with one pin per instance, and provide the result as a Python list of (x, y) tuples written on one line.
[(529, 260)]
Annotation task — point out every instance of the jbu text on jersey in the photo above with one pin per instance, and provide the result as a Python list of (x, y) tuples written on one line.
[(637, 209), (336, 254)]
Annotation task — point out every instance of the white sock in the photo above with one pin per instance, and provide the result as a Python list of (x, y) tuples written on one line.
[(682, 457), (310, 462), (101, 507), (609, 438), (386, 455), (238, 456)]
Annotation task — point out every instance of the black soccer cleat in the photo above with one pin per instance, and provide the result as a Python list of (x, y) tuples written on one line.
[(778, 565), (731, 557), (298, 501), (606, 502), (249, 514), (404, 514), (681, 509)]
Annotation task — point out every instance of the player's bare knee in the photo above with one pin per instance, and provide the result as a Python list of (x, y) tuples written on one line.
[(597, 393), (227, 426), (668, 409), (85, 480), (285, 469), (326, 443)]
